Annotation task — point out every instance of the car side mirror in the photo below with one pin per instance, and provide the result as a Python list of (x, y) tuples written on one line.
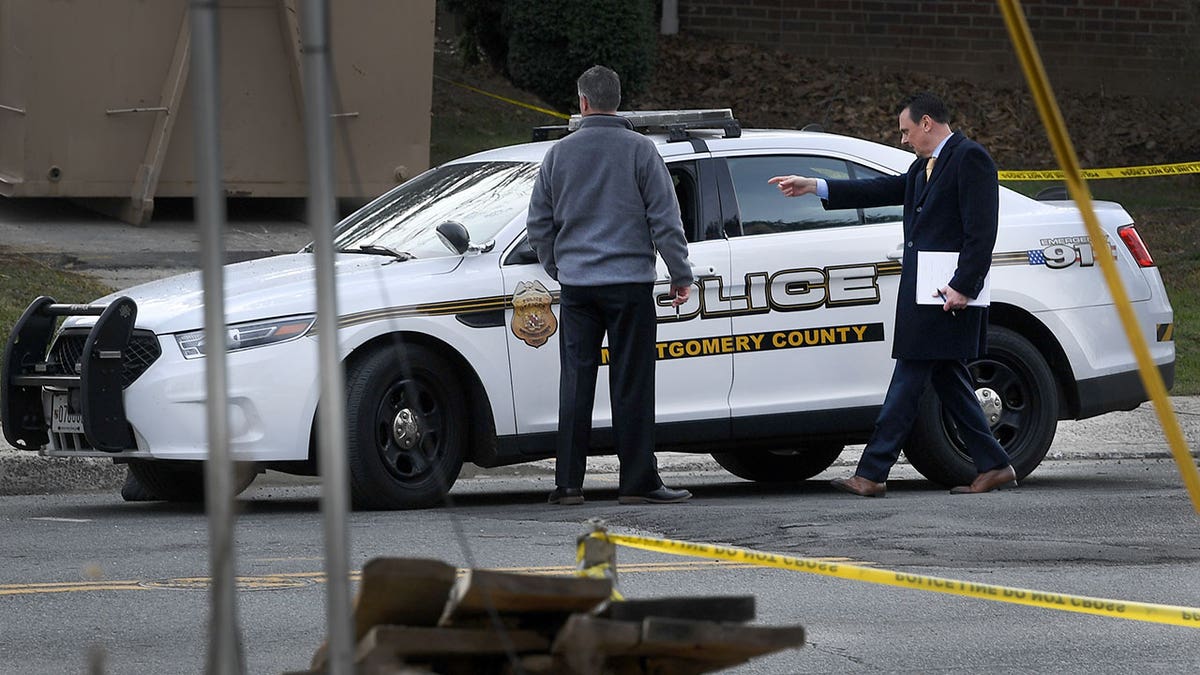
[(454, 236)]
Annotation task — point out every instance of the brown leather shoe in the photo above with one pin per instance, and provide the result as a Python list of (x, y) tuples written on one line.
[(566, 496), (996, 479), (857, 485), (663, 495)]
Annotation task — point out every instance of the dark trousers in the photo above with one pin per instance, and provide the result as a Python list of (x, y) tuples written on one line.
[(952, 382), (626, 313)]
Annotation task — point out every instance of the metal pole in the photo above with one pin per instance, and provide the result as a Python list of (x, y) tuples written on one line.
[(670, 17), (224, 645), (332, 450)]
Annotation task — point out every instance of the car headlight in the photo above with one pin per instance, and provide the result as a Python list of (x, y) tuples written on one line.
[(246, 335)]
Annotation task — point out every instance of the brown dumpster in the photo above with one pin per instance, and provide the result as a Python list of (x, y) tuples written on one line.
[(94, 101)]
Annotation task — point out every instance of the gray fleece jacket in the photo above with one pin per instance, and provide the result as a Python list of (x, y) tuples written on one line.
[(603, 202)]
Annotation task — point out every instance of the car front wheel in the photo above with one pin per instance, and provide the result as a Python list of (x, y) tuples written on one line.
[(779, 466), (1020, 398), (407, 428)]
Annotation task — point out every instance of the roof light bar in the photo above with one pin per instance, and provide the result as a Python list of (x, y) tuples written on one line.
[(675, 123)]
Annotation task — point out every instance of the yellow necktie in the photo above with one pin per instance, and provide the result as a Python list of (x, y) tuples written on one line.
[(929, 168)]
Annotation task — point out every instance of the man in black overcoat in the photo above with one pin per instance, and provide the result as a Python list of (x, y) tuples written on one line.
[(951, 203)]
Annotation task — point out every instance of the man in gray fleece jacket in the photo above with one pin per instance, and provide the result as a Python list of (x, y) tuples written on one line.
[(603, 202)]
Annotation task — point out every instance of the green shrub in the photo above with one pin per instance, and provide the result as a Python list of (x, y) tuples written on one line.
[(483, 36), (551, 43)]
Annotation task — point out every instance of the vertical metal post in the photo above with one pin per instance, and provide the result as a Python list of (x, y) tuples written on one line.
[(670, 17), (224, 645), (331, 422)]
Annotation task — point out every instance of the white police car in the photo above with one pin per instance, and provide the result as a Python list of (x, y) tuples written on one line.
[(448, 331)]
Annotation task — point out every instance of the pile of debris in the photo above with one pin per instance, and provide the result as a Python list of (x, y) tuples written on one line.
[(417, 616), (774, 89)]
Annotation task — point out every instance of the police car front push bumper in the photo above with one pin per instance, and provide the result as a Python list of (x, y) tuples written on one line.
[(87, 394)]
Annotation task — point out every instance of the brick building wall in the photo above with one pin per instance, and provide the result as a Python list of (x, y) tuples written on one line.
[(1128, 46)]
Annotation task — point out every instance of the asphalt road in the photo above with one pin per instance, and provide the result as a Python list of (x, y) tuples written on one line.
[(85, 574), (81, 572)]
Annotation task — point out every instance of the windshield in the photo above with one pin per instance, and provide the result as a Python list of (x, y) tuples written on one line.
[(483, 196)]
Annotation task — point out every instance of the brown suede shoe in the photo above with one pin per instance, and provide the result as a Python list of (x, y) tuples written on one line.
[(996, 479), (857, 485)]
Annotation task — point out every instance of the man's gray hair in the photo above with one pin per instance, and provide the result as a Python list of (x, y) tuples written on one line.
[(601, 87)]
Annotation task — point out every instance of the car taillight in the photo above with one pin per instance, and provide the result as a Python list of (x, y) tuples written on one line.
[(1133, 241)]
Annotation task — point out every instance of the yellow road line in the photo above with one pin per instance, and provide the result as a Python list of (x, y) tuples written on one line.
[(281, 579)]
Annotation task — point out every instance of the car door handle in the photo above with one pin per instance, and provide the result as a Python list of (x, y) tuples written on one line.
[(896, 253)]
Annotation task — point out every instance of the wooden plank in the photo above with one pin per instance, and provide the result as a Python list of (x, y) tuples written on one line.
[(538, 664), (730, 609), (293, 46), (589, 645), (385, 665), (140, 206), (413, 642), (402, 591), (715, 642), (639, 665), (405, 591), (479, 592), (584, 643)]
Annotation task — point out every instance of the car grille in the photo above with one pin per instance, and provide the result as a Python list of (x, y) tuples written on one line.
[(143, 350)]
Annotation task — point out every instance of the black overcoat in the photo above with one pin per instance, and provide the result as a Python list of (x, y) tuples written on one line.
[(956, 210)]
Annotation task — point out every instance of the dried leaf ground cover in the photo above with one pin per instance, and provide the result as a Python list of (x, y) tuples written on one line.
[(775, 89)]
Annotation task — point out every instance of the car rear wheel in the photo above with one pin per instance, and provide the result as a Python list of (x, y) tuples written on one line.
[(149, 481), (780, 466), (1020, 398), (407, 424)]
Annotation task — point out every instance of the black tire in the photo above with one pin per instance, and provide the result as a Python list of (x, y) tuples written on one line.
[(1020, 376), (415, 466), (780, 466), (134, 491), (176, 481)]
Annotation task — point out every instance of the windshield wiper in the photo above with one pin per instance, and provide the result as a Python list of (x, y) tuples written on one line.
[(375, 249)]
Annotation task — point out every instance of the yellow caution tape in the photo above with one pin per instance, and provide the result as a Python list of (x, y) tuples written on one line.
[(1054, 174), (1120, 609), (511, 101), (1118, 172), (1064, 152)]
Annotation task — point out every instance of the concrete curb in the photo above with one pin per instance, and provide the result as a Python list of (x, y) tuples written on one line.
[(24, 473), (1121, 435)]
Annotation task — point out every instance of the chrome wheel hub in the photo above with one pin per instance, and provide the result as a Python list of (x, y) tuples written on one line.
[(406, 430), (990, 402)]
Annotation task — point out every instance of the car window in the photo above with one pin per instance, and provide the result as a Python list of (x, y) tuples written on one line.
[(764, 210), (688, 193), (483, 196), (878, 214)]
